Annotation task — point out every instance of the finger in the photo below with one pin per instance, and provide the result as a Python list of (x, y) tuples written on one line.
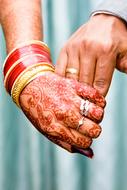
[(79, 108), (62, 144), (79, 140), (72, 69), (61, 63), (121, 62), (91, 110), (87, 92), (89, 128), (69, 136), (103, 75), (86, 152), (87, 66)]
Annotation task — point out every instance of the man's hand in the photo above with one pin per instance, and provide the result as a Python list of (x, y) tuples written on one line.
[(52, 104), (95, 50)]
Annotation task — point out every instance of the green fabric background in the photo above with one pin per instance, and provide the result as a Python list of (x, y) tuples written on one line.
[(28, 161)]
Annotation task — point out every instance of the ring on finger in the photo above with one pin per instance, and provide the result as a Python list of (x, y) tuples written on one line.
[(84, 107), (72, 70), (80, 123)]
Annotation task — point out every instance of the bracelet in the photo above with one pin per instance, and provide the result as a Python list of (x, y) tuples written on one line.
[(23, 64), (19, 66), (22, 57), (18, 53), (26, 77)]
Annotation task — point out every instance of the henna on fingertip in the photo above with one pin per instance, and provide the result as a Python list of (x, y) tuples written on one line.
[(90, 128), (91, 94), (91, 111)]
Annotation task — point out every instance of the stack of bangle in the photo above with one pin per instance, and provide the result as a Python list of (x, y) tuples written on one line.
[(23, 64)]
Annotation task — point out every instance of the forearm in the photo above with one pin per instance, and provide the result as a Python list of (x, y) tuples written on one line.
[(21, 21), (115, 7)]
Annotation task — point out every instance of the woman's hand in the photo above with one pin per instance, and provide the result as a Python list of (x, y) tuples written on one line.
[(95, 50), (52, 104)]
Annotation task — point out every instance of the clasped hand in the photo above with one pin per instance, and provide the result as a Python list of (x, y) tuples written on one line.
[(52, 104), (95, 50)]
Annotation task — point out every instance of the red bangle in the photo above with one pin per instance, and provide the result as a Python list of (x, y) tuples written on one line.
[(21, 58), (20, 67), (23, 51)]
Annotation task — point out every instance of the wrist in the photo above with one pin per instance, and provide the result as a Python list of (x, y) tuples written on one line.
[(107, 14), (104, 17), (23, 64)]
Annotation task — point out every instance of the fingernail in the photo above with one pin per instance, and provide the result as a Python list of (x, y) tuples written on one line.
[(88, 152)]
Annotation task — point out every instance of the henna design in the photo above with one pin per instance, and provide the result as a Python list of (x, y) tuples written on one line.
[(51, 103), (59, 142), (90, 129), (95, 113), (95, 131), (86, 92)]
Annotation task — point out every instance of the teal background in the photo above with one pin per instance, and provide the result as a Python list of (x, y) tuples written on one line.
[(28, 161)]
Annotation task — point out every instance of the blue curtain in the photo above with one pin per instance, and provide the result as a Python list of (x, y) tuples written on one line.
[(28, 161)]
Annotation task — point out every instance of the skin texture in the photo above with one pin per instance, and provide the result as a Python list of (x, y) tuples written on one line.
[(52, 104), (21, 21), (95, 50)]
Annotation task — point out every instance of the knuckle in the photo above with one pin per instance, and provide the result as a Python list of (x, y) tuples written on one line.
[(90, 43), (109, 47), (86, 43), (71, 46), (100, 83), (105, 47)]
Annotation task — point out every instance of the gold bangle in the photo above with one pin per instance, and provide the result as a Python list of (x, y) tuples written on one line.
[(31, 68), (20, 60), (25, 78), (25, 44)]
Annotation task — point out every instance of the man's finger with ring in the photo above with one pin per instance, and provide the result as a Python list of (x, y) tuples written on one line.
[(72, 69), (72, 73)]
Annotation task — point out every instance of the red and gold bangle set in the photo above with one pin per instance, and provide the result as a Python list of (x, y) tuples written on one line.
[(23, 64)]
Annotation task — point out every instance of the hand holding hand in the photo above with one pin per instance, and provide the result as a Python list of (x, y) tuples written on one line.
[(95, 50), (52, 104)]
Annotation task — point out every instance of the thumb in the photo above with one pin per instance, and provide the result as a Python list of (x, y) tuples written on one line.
[(121, 61)]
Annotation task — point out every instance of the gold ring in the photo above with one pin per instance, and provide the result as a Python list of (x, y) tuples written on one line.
[(72, 71)]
